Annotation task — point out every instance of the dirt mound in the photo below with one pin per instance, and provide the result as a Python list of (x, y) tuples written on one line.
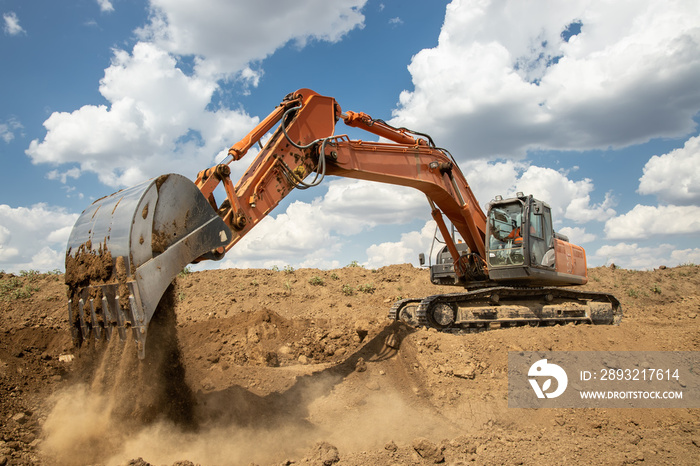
[(301, 366)]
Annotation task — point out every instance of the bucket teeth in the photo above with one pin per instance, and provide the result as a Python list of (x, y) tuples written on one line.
[(139, 325), (74, 330), (107, 317), (83, 320), (96, 326), (86, 323), (121, 319)]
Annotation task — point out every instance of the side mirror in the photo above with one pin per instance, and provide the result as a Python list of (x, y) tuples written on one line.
[(538, 207), (421, 259)]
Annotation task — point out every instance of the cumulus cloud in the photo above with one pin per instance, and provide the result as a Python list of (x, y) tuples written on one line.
[(11, 24), (577, 235), (34, 237), (105, 6), (158, 120), (685, 256), (674, 177), (9, 128), (568, 198), (488, 179), (237, 33), (359, 205), (312, 234), (291, 237), (7, 253), (405, 250), (646, 221), (510, 76), (634, 256)]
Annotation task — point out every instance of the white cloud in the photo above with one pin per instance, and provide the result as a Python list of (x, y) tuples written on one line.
[(634, 256), (569, 199), (489, 179), (291, 237), (11, 26), (685, 256), (6, 253), (505, 80), (63, 176), (105, 6), (34, 237), (357, 205), (577, 235), (674, 177), (647, 221), (158, 121), (47, 259), (225, 36), (8, 129), (312, 234), (405, 250)]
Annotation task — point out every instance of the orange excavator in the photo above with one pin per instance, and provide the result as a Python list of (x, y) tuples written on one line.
[(126, 248)]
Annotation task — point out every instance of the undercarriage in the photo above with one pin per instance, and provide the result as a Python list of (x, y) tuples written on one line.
[(503, 306)]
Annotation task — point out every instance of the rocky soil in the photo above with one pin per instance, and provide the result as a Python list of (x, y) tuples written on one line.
[(301, 367)]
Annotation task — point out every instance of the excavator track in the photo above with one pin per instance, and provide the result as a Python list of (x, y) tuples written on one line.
[(503, 306), (405, 311)]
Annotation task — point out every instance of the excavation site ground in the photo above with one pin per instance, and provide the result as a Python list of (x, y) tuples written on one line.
[(252, 366)]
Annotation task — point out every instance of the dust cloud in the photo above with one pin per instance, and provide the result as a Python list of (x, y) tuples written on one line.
[(382, 418), (125, 408), (118, 394)]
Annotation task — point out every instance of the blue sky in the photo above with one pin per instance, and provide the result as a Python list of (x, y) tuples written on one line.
[(592, 106)]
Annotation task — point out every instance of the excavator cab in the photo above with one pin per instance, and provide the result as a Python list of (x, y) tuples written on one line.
[(528, 268), (521, 245)]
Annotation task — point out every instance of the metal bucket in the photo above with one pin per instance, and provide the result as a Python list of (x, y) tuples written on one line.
[(126, 248)]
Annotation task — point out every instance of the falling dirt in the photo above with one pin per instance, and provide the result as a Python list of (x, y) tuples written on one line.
[(301, 367), (86, 267)]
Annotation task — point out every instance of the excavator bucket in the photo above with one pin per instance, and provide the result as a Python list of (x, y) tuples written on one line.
[(126, 248)]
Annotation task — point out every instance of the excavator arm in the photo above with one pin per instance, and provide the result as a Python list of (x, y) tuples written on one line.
[(305, 144)]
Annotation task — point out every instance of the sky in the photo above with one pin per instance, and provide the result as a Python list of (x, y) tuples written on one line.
[(590, 105)]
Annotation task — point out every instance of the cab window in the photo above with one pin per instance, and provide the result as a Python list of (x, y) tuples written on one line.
[(536, 229), (505, 235)]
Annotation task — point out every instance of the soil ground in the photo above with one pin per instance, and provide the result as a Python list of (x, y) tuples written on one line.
[(293, 367)]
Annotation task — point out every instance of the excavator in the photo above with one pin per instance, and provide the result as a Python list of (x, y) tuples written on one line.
[(513, 269)]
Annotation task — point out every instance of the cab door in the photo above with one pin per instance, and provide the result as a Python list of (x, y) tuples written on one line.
[(541, 235)]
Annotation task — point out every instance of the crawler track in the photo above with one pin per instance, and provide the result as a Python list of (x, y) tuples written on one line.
[(504, 306)]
